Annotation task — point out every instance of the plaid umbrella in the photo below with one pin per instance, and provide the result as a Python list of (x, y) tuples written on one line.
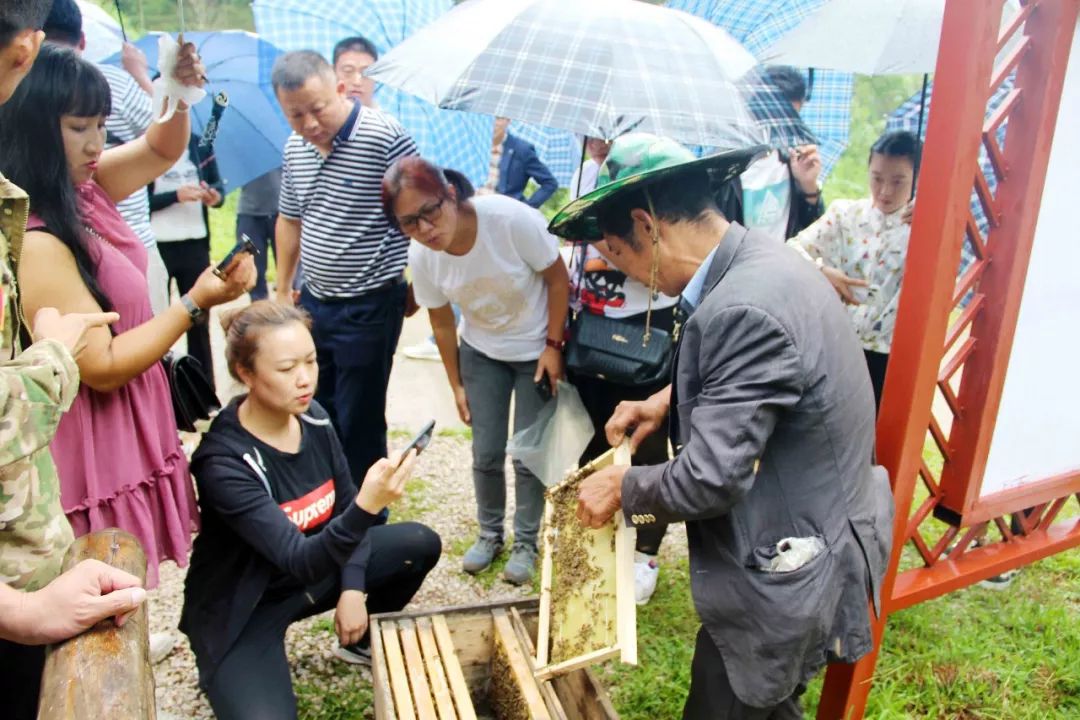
[(458, 140), (560, 150), (756, 24), (599, 68), (774, 113)]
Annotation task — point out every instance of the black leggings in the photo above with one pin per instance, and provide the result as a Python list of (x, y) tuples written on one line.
[(253, 681), (20, 679), (877, 363)]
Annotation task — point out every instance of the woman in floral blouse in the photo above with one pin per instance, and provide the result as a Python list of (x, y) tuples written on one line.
[(861, 247)]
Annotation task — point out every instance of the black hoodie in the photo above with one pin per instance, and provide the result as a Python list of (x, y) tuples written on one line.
[(271, 522)]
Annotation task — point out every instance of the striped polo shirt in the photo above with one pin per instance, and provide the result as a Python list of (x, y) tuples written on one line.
[(346, 245), (132, 113)]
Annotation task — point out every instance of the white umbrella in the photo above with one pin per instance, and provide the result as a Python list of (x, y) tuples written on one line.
[(870, 37), (104, 37), (595, 67)]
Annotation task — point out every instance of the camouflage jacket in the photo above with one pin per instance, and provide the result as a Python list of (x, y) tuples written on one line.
[(36, 387)]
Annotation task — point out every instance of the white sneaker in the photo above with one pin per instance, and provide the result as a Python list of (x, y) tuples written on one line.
[(426, 350), (161, 644), (646, 571), (1000, 582)]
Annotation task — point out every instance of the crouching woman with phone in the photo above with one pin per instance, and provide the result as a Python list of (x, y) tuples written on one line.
[(285, 533)]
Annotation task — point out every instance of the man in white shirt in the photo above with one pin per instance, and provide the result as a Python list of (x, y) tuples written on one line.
[(584, 180), (352, 56)]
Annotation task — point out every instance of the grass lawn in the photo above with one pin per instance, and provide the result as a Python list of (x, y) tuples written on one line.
[(973, 654)]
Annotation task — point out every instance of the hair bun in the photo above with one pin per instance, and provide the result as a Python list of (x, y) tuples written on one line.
[(228, 317)]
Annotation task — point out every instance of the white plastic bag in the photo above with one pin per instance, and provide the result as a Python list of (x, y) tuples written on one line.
[(168, 91), (552, 445)]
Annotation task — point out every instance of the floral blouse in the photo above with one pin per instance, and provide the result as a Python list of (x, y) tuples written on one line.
[(862, 242)]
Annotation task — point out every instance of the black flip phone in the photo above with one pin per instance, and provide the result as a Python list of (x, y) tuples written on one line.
[(244, 244), (543, 387), (418, 443)]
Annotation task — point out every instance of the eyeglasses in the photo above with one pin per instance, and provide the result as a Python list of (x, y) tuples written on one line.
[(428, 213), (352, 73)]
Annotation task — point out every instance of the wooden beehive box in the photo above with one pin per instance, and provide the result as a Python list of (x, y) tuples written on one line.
[(473, 662)]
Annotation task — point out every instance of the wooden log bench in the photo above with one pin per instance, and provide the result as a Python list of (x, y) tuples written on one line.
[(104, 672)]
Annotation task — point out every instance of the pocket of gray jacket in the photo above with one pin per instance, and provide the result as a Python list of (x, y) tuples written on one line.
[(788, 555)]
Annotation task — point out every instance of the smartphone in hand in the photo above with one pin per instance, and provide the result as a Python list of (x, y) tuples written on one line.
[(418, 443), (243, 245), (543, 387)]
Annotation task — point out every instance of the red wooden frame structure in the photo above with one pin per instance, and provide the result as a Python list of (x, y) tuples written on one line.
[(957, 351)]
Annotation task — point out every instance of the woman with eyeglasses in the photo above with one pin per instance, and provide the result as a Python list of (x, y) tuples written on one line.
[(493, 257)]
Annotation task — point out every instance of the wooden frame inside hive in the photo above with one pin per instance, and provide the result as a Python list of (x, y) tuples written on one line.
[(587, 610)]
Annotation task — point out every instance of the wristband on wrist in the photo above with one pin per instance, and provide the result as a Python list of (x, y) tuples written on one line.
[(555, 344), (196, 313)]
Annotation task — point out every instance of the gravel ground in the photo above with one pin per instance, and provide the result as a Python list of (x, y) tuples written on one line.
[(441, 496)]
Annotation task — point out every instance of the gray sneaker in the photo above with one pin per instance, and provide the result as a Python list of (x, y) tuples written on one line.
[(521, 566), (482, 553)]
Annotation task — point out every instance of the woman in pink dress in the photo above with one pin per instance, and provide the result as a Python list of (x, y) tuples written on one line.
[(117, 450)]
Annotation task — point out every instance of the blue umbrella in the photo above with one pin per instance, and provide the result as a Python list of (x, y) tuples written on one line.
[(252, 131), (451, 139)]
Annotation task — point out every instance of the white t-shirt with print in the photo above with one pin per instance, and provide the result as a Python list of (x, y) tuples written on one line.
[(767, 196), (181, 220), (606, 291), (497, 284)]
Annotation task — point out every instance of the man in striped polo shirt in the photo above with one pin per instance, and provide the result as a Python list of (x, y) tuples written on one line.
[(330, 216)]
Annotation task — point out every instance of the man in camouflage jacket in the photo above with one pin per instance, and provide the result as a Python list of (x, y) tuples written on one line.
[(36, 387), (38, 605)]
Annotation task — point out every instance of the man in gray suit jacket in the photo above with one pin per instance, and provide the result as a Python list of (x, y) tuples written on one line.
[(772, 419)]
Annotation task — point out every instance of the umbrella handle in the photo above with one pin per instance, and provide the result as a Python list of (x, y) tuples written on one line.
[(918, 131), (120, 17)]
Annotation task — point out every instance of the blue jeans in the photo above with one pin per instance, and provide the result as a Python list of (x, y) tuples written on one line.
[(355, 339), (489, 385)]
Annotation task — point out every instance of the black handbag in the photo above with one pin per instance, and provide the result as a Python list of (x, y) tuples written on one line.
[(193, 395), (618, 351)]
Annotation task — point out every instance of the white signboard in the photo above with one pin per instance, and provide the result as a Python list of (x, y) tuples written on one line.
[(1038, 425)]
